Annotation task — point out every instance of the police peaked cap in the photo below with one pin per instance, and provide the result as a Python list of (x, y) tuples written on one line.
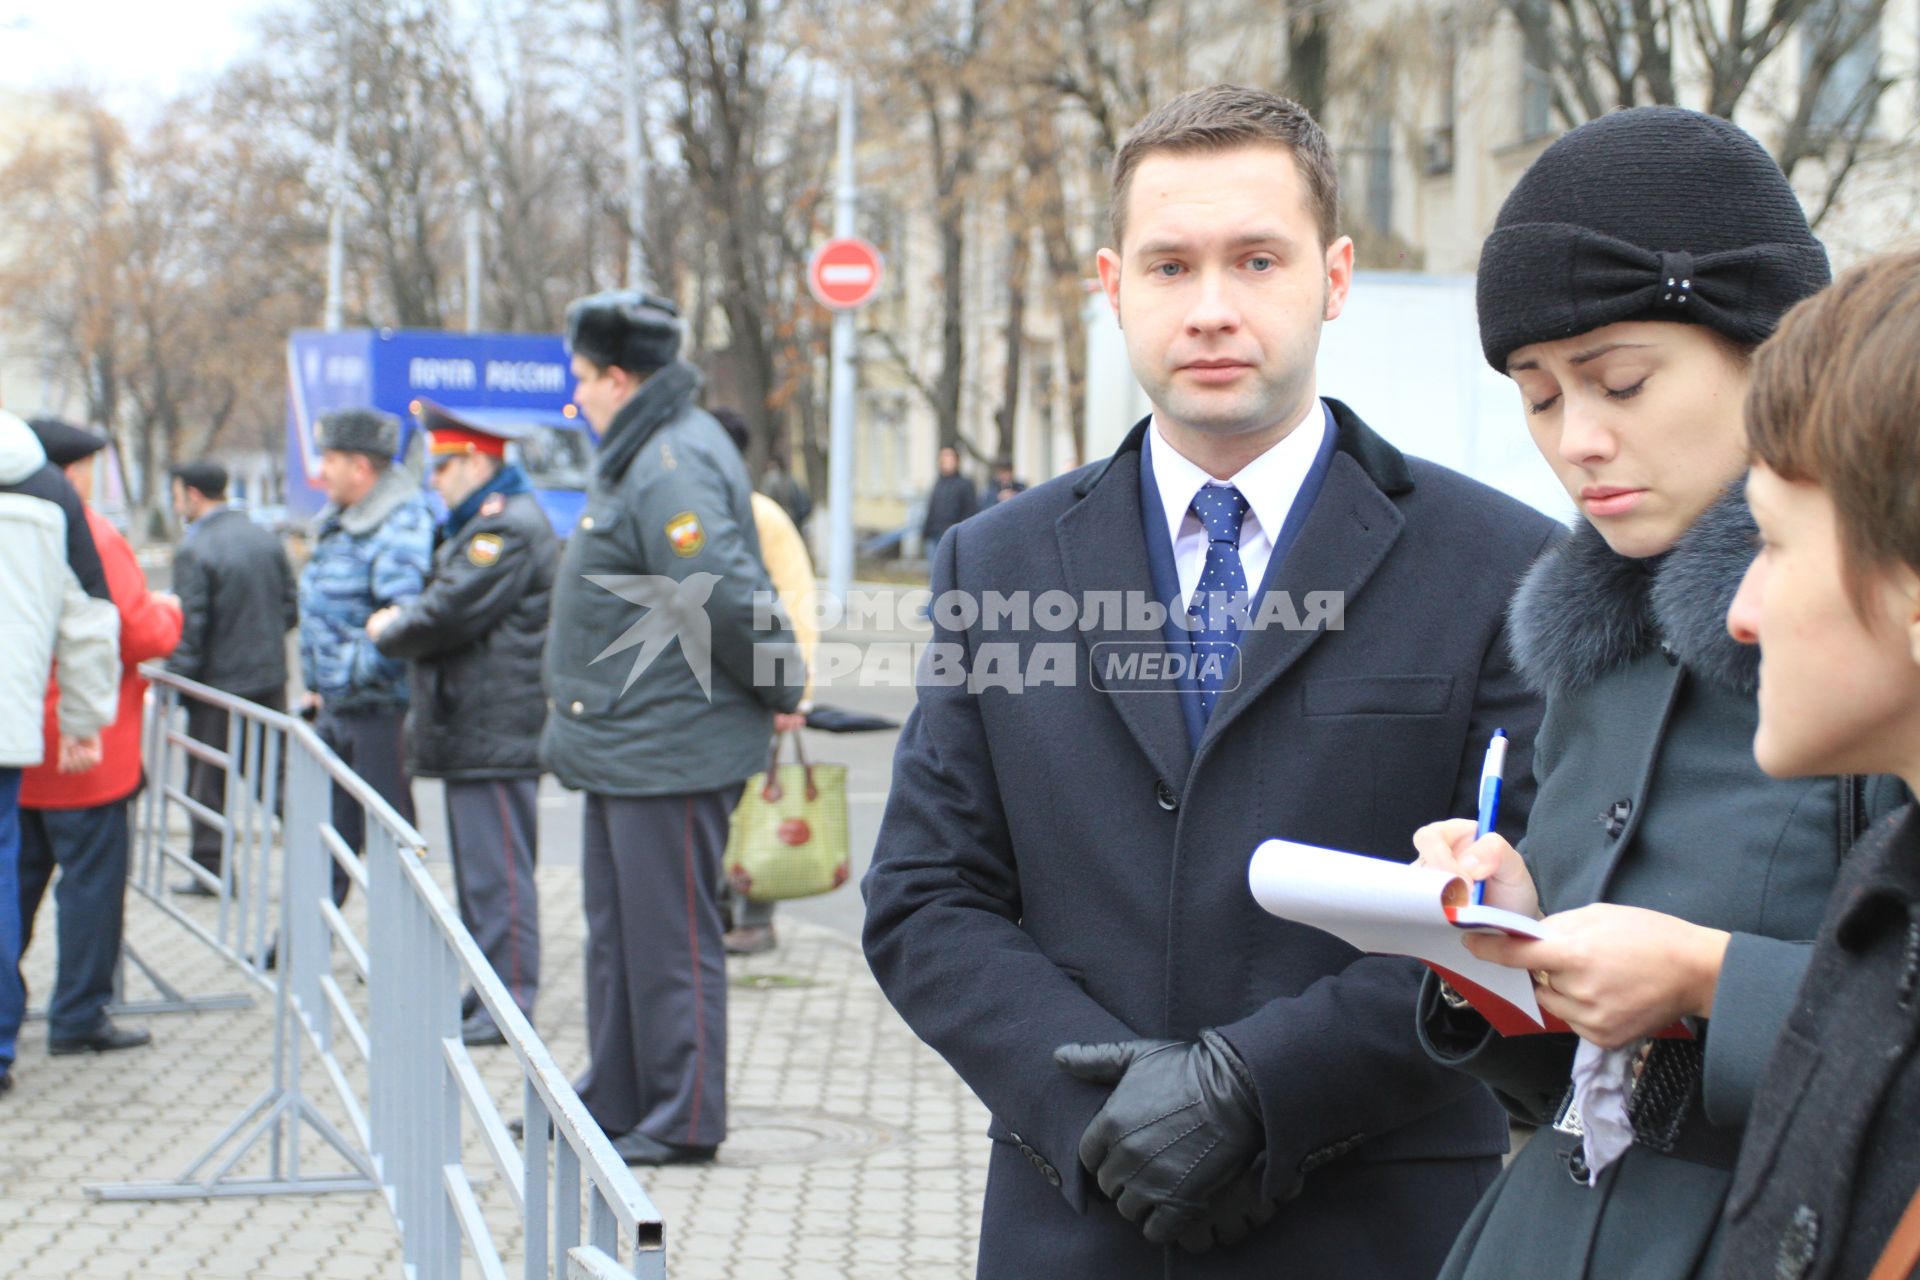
[(367, 431), (65, 443), (624, 329), (449, 433)]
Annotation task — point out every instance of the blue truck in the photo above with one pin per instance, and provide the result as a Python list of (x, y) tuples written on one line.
[(491, 379)]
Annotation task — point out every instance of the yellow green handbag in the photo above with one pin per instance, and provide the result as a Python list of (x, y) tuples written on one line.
[(789, 834)]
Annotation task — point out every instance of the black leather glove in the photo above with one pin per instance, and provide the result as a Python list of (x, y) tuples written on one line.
[(1181, 1125), (1233, 1214)]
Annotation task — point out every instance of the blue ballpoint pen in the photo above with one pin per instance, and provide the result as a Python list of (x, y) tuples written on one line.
[(1490, 770)]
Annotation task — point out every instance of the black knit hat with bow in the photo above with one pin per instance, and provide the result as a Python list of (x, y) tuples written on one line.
[(1657, 213)]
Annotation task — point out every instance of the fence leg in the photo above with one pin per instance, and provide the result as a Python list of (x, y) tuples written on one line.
[(278, 1114)]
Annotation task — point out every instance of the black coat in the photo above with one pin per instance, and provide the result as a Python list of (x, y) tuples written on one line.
[(1833, 1151), (238, 600), (951, 501), (1060, 865), (476, 637)]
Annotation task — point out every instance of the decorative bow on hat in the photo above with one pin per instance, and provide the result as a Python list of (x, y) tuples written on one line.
[(1540, 281)]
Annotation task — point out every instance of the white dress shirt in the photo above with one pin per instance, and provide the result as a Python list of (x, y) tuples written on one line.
[(1270, 484)]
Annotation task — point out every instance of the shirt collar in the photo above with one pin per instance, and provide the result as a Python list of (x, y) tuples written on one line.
[(1269, 483)]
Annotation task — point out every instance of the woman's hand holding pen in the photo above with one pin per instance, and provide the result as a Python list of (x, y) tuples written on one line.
[(1450, 846), (1615, 974)]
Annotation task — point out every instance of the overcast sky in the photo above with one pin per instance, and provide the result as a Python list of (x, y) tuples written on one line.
[(136, 51)]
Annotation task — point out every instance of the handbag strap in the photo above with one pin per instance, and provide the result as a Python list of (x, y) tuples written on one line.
[(772, 791), (1903, 1246)]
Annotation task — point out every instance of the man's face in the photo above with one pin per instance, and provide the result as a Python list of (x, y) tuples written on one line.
[(346, 477), (457, 475), (182, 505), (949, 462), (1221, 287), (601, 391), (80, 476)]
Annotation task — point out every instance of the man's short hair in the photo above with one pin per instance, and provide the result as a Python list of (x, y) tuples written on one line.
[(1222, 118), (736, 426), (206, 477), (1833, 403)]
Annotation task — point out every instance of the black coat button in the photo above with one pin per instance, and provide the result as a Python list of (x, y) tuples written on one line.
[(1168, 798), (1671, 654), (1799, 1244), (1615, 818)]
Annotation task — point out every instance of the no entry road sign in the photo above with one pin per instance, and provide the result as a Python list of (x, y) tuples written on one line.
[(844, 273)]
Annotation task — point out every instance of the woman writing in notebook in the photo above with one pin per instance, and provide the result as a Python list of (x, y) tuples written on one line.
[(1629, 277)]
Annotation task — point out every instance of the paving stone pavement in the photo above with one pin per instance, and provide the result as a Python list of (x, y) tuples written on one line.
[(855, 1152)]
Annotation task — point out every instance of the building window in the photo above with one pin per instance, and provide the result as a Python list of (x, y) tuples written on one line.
[(1536, 73), (1437, 142), (1380, 173), (1853, 27)]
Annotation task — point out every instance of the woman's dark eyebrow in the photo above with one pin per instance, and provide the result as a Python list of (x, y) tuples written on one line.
[(1584, 357)]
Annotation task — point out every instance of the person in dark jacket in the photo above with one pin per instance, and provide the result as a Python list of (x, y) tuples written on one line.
[(238, 601), (1831, 1160), (1680, 881), (1182, 1086), (476, 637), (667, 662), (951, 500), (1002, 486)]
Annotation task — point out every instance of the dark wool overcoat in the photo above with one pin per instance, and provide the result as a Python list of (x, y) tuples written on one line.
[(1059, 863)]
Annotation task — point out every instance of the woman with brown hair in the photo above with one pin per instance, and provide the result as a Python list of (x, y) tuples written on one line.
[(1832, 1158)]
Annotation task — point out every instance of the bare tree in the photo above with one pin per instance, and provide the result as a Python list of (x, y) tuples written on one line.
[(1594, 56)]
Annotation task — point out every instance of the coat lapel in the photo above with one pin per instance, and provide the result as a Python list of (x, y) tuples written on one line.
[(1103, 549)]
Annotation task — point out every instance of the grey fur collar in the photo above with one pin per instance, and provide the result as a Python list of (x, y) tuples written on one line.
[(395, 485), (1583, 611)]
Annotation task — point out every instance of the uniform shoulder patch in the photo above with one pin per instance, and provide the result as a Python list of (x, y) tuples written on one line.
[(484, 551), (493, 506), (685, 534)]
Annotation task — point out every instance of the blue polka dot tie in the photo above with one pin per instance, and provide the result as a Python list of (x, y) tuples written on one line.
[(1220, 600)]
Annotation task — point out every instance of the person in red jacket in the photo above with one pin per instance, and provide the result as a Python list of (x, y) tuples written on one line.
[(78, 821)]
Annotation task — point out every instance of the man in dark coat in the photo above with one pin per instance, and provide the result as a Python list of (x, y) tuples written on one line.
[(668, 660), (951, 500), (237, 602), (476, 637), (1181, 1085)]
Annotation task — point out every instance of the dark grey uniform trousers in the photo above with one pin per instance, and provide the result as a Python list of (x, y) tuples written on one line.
[(496, 843), (656, 967), (373, 745), (207, 783), (89, 846)]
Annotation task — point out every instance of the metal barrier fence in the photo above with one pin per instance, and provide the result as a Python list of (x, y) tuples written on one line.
[(273, 916)]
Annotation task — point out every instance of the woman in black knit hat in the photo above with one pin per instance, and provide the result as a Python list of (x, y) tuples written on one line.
[(1630, 275)]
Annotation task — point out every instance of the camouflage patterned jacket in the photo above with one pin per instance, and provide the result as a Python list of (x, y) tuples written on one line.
[(365, 557)]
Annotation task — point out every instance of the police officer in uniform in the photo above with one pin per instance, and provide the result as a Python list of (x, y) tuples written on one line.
[(667, 663), (476, 637)]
